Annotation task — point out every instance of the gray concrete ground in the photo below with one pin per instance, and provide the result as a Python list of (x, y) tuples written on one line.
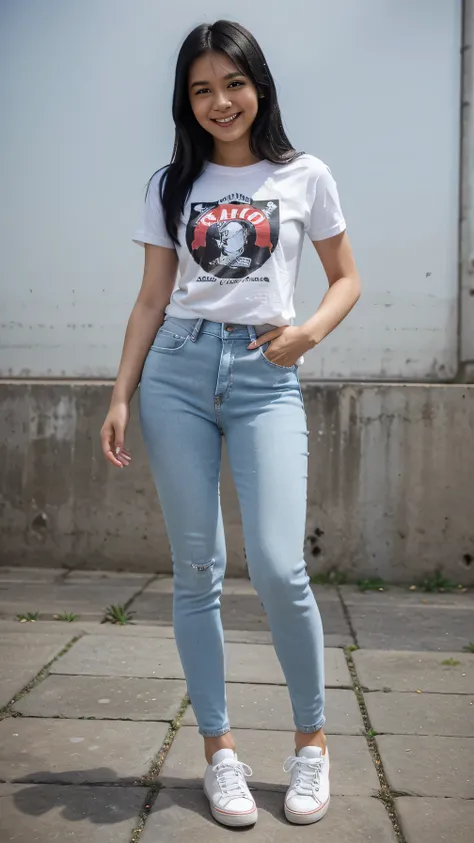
[(98, 744)]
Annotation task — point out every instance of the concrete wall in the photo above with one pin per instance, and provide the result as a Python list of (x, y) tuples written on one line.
[(370, 86), (390, 483)]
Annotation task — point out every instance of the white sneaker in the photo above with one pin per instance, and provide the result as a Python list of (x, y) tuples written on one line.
[(307, 798), (224, 785)]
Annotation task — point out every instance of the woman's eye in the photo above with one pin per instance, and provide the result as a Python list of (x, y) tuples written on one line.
[(202, 91), (236, 82)]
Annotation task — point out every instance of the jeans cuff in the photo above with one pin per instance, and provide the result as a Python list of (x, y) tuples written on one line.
[(217, 734), (315, 728)]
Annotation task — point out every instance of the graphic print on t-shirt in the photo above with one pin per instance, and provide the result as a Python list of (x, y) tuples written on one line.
[(233, 238)]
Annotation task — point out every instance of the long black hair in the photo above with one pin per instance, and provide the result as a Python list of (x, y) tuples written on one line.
[(193, 145)]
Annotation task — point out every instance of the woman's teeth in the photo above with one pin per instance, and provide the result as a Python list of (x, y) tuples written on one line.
[(227, 119)]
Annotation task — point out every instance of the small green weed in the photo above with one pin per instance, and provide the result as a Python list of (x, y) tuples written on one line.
[(451, 662), (371, 584), (352, 648), (437, 582), (30, 617), (371, 733), (69, 617), (118, 614), (469, 648), (333, 577)]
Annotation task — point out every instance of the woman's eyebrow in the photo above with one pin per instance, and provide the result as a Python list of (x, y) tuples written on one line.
[(229, 76)]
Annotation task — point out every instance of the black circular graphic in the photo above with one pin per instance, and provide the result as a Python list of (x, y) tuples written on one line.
[(232, 240)]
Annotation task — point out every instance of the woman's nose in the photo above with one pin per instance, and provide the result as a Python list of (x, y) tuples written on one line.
[(221, 101)]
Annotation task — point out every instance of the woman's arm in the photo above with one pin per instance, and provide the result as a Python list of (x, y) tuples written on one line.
[(290, 343), (145, 319), (338, 262)]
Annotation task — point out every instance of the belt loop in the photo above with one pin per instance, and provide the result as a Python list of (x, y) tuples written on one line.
[(252, 333), (196, 330)]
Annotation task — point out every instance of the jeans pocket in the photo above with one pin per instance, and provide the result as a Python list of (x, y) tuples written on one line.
[(263, 349), (170, 339)]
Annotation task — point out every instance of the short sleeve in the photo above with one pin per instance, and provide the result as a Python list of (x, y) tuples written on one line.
[(152, 227), (325, 217)]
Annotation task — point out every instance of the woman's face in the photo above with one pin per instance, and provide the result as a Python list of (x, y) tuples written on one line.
[(223, 99)]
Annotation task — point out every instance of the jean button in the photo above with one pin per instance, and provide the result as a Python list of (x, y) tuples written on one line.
[(229, 327)]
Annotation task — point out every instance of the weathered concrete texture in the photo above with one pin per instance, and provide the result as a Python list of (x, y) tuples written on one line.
[(42, 813), (377, 505), (411, 628), (268, 707), (421, 714), (403, 597), (22, 657), (379, 670), (436, 820), (179, 815), (241, 608), (352, 769), (97, 655), (104, 698), (89, 600), (77, 751), (428, 766), (141, 630), (246, 663), (30, 575)]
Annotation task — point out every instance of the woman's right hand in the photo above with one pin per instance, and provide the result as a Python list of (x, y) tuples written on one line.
[(112, 435)]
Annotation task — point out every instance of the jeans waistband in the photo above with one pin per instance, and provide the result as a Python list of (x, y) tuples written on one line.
[(224, 330)]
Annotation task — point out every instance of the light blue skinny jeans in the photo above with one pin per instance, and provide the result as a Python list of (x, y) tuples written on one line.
[(199, 383)]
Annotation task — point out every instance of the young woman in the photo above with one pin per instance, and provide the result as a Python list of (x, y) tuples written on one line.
[(216, 354)]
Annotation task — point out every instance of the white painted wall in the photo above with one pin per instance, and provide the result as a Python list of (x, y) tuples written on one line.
[(370, 86)]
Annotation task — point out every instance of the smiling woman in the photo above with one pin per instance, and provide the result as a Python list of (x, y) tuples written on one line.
[(216, 352)]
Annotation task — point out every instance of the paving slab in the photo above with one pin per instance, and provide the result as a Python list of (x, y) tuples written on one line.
[(352, 769), (28, 575), (428, 766), (77, 751), (268, 707), (39, 628), (396, 627), (104, 698), (402, 671), (42, 813), (241, 609), (398, 595), (143, 630), (259, 665), (109, 577), (232, 585), (88, 600), (421, 714), (436, 820), (22, 657), (100, 655), (179, 815)]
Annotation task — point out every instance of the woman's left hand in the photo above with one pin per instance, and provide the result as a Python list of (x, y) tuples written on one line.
[(287, 345)]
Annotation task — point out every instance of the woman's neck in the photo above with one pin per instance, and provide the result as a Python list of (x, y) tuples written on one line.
[(230, 155)]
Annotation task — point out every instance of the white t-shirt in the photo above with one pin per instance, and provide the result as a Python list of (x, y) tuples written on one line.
[(241, 237)]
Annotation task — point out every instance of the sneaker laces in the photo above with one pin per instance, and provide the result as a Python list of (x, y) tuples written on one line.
[(308, 774), (230, 777)]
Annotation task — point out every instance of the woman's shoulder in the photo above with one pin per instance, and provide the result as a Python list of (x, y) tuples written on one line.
[(303, 166), (314, 166), (155, 180)]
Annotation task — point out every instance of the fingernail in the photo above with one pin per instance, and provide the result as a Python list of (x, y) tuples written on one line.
[(117, 450)]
